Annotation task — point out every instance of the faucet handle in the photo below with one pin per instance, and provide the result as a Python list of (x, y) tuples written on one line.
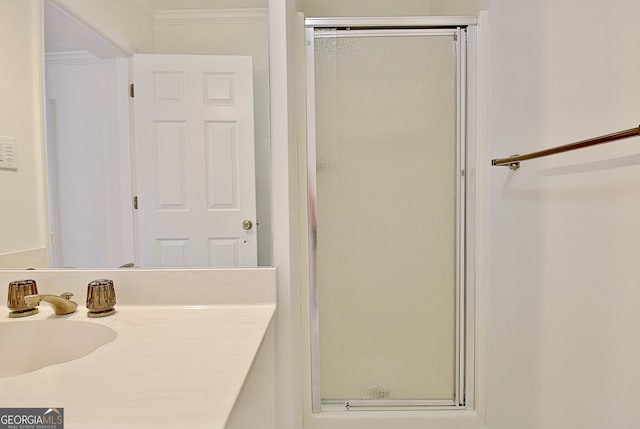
[(101, 297), (18, 289)]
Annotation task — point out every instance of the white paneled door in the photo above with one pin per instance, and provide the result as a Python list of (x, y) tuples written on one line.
[(194, 161)]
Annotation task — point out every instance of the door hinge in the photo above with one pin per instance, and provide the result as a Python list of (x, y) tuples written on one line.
[(135, 202), (131, 91)]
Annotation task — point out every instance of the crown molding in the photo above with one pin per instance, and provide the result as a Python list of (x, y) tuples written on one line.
[(71, 58), (211, 16)]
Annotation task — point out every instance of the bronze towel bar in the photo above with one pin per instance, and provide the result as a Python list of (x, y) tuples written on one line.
[(513, 162)]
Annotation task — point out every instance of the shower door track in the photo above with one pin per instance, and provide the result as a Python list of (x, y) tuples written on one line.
[(388, 404)]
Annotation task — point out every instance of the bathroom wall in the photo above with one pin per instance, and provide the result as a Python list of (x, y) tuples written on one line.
[(562, 340), (564, 276), (124, 20), (458, 7), (365, 7), (562, 333), (22, 228), (388, 8)]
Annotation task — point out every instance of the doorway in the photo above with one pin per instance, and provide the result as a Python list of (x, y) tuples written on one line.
[(389, 213), (88, 149)]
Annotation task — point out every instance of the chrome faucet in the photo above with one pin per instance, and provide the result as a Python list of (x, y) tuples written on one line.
[(61, 304), (18, 289), (101, 298)]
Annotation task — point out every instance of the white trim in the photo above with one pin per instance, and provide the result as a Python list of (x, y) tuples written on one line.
[(284, 225), (211, 16), (40, 100), (389, 405), (384, 419), (400, 21), (126, 162), (462, 218), (31, 258), (471, 280), (481, 167), (310, 223), (71, 58), (48, 120), (387, 33)]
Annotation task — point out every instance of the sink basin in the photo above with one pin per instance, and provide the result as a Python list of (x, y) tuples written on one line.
[(28, 345)]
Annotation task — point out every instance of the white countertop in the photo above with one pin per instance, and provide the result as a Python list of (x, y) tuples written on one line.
[(171, 366)]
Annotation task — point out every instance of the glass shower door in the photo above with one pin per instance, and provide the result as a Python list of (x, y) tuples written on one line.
[(386, 209)]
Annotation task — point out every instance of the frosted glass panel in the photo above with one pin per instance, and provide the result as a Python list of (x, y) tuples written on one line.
[(386, 216)]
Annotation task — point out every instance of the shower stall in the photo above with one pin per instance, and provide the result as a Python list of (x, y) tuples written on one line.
[(390, 207)]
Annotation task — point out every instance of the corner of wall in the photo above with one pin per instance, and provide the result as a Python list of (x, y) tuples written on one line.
[(23, 226)]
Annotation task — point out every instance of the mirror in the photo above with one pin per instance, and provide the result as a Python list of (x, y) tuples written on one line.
[(89, 152)]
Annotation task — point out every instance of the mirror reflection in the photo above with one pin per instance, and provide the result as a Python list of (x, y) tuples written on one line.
[(104, 175)]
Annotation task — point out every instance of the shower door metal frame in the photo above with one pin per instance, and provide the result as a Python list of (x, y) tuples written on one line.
[(464, 30)]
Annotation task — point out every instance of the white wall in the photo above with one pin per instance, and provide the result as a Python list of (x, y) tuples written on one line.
[(458, 7), (391, 8), (22, 219), (220, 34), (124, 20), (284, 200), (85, 161), (563, 341), (365, 7)]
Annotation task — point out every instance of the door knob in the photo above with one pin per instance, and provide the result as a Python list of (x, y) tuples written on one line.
[(247, 225)]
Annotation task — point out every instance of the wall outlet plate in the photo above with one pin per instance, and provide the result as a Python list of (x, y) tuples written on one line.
[(8, 153)]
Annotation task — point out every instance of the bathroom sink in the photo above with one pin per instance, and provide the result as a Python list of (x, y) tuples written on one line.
[(185, 348), (28, 345)]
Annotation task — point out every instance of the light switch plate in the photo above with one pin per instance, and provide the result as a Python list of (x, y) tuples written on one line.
[(8, 153)]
